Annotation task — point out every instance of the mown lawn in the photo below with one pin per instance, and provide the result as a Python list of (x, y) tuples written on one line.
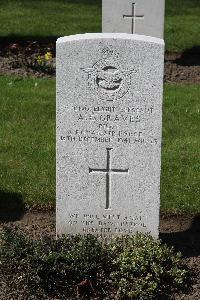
[(27, 154), (38, 19), (182, 26), (180, 188), (27, 130)]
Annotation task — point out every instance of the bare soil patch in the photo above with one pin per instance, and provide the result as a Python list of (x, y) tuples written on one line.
[(180, 231), (182, 67), (20, 59)]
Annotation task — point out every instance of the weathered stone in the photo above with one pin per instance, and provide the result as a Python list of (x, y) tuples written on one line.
[(144, 17), (109, 107)]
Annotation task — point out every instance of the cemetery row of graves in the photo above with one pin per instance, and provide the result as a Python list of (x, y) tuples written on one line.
[(28, 127), (113, 136)]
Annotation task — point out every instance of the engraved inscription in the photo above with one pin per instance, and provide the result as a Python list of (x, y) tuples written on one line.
[(107, 225), (100, 124), (133, 17), (108, 171)]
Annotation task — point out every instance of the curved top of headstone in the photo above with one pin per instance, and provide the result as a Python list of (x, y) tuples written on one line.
[(127, 36)]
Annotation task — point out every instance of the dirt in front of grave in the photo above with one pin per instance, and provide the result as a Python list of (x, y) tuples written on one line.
[(174, 72), (180, 231), (179, 67), (182, 68)]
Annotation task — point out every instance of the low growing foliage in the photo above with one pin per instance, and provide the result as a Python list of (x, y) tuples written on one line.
[(137, 267), (144, 268)]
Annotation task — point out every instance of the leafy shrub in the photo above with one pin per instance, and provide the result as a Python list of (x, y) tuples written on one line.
[(137, 267), (15, 249), (54, 266), (62, 264), (143, 268)]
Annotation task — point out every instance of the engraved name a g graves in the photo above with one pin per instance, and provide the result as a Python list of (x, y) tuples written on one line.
[(109, 104)]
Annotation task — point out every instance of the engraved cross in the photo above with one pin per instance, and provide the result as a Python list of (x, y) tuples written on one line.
[(108, 171), (133, 17)]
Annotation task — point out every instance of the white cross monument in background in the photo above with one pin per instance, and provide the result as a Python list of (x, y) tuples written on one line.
[(133, 18), (146, 16)]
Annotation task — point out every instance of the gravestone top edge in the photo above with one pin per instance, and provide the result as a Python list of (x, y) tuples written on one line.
[(127, 36)]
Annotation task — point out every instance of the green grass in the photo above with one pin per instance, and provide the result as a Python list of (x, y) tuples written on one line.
[(182, 26), (27, 154), (41, 19), (180, 189)]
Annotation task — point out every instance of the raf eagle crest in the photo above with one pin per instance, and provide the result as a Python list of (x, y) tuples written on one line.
[(108, 78)]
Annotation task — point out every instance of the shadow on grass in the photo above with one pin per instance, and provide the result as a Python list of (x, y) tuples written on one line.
[(86, 2), (22, 40), (37, 2), (180, 7), (12, 207), (190, 57), (187, 242)]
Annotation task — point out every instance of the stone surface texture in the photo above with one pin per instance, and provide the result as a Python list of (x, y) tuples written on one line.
[(149, 20), (109, 116)]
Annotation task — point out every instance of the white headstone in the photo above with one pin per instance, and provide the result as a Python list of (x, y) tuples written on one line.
[(109, 108), (144, 17)]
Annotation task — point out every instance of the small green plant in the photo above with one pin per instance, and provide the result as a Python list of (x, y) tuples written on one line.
[(45, 63), (144, 268), (31, 57), (15, 248), (137, 267)]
